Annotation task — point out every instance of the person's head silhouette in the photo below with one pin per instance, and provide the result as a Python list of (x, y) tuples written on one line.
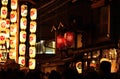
[(105, 66)]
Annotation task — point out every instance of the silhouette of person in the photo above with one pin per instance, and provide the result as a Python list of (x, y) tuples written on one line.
[(105, 70), (54, 75)]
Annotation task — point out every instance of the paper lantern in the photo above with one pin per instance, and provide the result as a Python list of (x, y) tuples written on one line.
[(2, 25), (69, 37), (24, 10), (2, 38), (32, 39), (7, 33), (14, 4), (79, 67), (0, 54), (22, 36), (12, 42), (13, 29), (33, 13), (23, 23), (7, 23), (60, 41), (13, 16), (33, 25), (22, 49), (32, 52), (0, 46), (12, 54), (21, 60), (32, 64), (7, 43), (4, 12), (4, 2)]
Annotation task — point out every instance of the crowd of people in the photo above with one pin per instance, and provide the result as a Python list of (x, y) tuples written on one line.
[(90, 73)]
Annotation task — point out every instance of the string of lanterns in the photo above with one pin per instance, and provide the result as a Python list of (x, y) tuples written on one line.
[(23, 35), (13, 33)]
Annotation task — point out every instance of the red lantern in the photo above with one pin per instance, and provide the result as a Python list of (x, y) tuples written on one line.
[(69, 37), (60, 41)]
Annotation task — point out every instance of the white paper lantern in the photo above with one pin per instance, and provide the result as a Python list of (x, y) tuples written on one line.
[(32, 52), (24, 10), (12, 42), (32, 39), (7, 43), (22, 36), (22, 49), (13, 16), (7, 33), (7, 23), (33, 13), (33, 26), (13, 29), (0, 55), (4, 2), (4, 12), (32, 64), (12, 54), (79, 67), (2, 38), (2, 25), (23, 23), (21, 60), (14, 4)]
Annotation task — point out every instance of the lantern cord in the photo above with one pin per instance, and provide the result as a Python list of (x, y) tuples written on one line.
[(53, 28), (60, 25)]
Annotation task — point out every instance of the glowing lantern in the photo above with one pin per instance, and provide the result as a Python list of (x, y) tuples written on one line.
[(12, 42), (14, 4), (33, 26), (2, 25), (4, 11), (13, 16), (32, 39), (0, 55), (7, 23), (0, 46), (7, 43), (60, 41), (2, 38), (4, 2), (22, 36), (12, 54), (32, 64), (79, 67), (22, 49), (21, 60), (32, 51), (23, 23), (23, 10), (33, 14), (13, 29), (7, 33), (69, 37)]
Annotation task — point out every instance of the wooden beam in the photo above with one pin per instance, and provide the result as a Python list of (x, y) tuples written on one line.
[(98, 4), (30, 1)]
